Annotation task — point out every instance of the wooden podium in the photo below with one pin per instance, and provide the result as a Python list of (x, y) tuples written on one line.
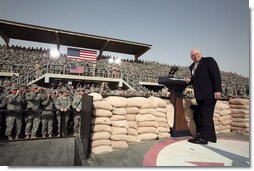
[(176, 87)]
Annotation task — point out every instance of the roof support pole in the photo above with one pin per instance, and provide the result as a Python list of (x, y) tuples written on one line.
[(5, 38), (103, 47), (57, 40)]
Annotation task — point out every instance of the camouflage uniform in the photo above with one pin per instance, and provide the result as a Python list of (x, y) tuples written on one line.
[(63, 104), (14, 116), (33, 103), (3, 105), (77, 104), (48, 116)]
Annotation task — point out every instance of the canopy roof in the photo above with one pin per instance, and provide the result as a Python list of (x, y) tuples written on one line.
[(21, 31)]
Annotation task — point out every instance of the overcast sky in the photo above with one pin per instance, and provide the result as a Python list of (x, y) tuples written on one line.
[(219, 28)]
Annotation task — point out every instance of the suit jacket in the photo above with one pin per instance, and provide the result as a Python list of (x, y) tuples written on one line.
[(206, 79)]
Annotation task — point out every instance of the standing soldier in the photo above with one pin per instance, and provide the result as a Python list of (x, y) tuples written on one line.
[(63, 104), (48, 115), (77, 104), (3, 105), (14, 115), (33, 104)]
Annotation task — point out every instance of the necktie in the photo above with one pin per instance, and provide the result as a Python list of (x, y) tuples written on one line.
[(194, 68)]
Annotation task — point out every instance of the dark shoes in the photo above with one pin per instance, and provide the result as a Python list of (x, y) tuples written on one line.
[(198, 141)]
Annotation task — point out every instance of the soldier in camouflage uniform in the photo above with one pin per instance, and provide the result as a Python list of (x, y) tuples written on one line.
[(3, 105), (48, 101), (14, 115), (76, 105), (33, 98), (63, 104)]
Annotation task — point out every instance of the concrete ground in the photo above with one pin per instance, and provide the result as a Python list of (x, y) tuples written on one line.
[(42, 152), (230, 150)]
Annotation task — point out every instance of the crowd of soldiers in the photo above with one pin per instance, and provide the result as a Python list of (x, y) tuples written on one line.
[(24, 108)]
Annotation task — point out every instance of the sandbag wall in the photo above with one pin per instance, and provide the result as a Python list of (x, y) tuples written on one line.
[(240, 115), (222, 117), (118, 121)]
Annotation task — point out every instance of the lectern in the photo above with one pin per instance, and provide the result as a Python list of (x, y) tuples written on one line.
[(176, 87)]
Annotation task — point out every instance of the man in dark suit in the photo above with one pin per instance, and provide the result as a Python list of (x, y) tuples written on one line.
[(205, 76)]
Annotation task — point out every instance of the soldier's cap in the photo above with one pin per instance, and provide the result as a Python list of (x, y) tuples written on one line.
[(14, 87), (34, 86), (64, 89)]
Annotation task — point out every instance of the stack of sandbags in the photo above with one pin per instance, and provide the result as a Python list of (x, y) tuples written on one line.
[(222, 117), (161, 117), (145, 118), (189, 114), (240, 115), (170, 113), (101, 127), (132, 111), (119, 123)]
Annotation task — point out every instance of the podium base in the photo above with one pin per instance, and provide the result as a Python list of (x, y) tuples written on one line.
[(180, 133)]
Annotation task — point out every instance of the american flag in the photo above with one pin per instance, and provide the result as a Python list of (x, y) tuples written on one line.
[(90, 55), (77, 70)]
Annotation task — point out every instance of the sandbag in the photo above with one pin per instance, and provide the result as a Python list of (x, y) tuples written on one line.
[(102, 105), (135, 101), (225, 122), (145, 117), (147, 136), (133, 138), (133, 124), (102, 149), (240, 119), (170, 115), (223, 127), (117, 117), (160, 114), (119, 111), (132, 110), (160, 119), (225, 117), (119, 144), (163, 124), (236, 111), (148, 124), (100, 142), (119, 137), (238, 101), (163, 129), (116, 101), (240, 115), (163, 135), (221, 106), (96, 96), (147, 111), (162, 110), (147, 130), (157, 101), (240, 124), (102, 112), (132, 131), (101, 128), (122, 123), (118, 130), (101, 120), (247, 107), (99, 135), (131, 117)]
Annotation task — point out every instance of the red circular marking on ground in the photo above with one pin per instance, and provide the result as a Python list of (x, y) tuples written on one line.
[(151, 156)]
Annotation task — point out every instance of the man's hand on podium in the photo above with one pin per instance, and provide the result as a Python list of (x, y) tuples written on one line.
[(188, 80)]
